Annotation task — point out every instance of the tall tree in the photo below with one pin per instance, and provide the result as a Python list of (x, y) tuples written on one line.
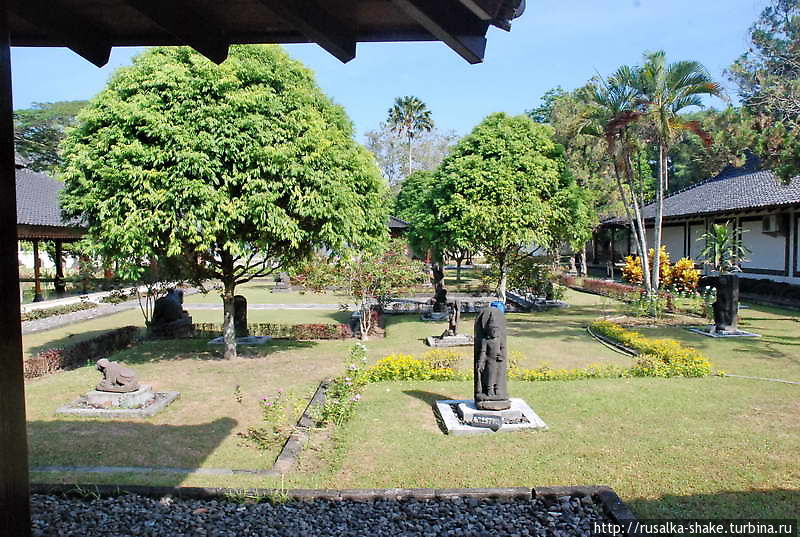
[(768, 77), (666, 90), (409, 117), (504, 188), (38, 131), (242, 167), (391, 151), (612, 115), (544, 112)]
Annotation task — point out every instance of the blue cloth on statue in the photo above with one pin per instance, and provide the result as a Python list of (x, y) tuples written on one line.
[(499, 305)]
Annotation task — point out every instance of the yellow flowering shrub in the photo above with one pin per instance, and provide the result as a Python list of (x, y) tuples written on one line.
[(657, 357), (683, 276), (632, 271), (406, 367)]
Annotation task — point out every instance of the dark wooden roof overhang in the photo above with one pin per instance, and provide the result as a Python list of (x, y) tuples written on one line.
[(91, 28), (27, 232)]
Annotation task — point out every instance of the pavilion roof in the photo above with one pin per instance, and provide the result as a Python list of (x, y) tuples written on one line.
[(92, 27), (38, 207)]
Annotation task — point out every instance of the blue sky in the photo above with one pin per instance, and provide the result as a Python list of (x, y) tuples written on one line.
[(556, 42)]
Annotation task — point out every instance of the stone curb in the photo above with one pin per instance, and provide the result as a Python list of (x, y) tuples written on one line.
[(618, 346), (294, 444)]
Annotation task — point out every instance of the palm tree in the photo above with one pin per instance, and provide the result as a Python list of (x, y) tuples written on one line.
[(612, 111), (409, 116), (666, 90)]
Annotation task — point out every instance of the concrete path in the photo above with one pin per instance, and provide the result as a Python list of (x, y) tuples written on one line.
[(332, 307), (57, 321)]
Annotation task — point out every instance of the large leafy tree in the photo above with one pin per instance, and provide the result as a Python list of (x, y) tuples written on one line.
[(38, 131), (242, 167), (409, 117), (505, 188), (768, 77), (664, 91)]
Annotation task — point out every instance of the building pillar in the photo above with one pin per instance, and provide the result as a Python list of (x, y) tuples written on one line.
[(37, 268), (15, 516), (61, 288)]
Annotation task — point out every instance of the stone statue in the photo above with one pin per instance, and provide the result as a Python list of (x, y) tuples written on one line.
[(453, 318), (240, 316), (727, 304), (117, 378), (169, 318), (491, 375)]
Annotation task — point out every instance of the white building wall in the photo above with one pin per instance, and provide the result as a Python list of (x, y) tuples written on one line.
[(767, 252), (696, 245), (673, 238)]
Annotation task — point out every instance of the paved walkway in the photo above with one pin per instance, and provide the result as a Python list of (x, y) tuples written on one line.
[(270, 306), (57, 321)]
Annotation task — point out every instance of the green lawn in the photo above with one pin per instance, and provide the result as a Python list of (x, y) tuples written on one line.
[(260, 292), (670, 447)]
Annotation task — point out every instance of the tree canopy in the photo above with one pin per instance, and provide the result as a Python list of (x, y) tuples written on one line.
[(244, 166), (38, 131), (504, 188)]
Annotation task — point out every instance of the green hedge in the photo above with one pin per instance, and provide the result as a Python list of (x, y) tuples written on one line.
[(44, 313), (81, 353), (299, 332)]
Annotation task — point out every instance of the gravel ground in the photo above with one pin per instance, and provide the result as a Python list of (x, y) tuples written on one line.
[(137, 515)]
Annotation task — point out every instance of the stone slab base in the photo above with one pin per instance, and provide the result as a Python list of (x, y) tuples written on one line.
[(486, 421), (249, 340), (134, 399), (78, 408), (709, 331), (460, 340)]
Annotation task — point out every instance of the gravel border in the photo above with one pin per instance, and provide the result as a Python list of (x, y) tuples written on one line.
[(351, 504)]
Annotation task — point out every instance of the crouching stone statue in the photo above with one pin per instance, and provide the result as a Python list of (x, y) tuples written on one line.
[(116, 377)]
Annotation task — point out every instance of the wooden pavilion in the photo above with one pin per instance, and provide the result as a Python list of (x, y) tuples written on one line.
[(91, 28), (39, 219)]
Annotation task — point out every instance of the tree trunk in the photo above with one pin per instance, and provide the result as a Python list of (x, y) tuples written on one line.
[(584, 267), (501, 287), (229, 289), (458, 269), (409, 156), (659, 215), (365, 322)]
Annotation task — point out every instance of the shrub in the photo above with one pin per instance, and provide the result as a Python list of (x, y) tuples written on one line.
[(344, 392), (590, 372), (657, 357), (632, 271), (442, 358), (56, 359), (406, 367), (44, 313), (300, 332), (683, 277)]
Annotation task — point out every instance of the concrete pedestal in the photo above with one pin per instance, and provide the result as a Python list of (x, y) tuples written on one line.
[(460, 340), (135, 399), (461, 417)]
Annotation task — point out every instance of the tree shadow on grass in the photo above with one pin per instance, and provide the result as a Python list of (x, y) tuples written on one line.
[(752, 504), (123, 445), (199, 349), (428, 398)]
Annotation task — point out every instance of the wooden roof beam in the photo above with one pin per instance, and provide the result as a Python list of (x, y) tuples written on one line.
[(310, 19), (449, 21), (182, 19), (81, 35)]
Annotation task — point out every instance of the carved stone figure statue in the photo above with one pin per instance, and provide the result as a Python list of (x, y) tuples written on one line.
[(116, 377), (491, 375), (169, 317), (454, 310), (727, 304)]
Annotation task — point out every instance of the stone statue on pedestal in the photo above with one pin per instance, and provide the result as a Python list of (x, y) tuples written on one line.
[(491, 375), (727, 304), (454, 316), (170, 320), (117, 378)]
